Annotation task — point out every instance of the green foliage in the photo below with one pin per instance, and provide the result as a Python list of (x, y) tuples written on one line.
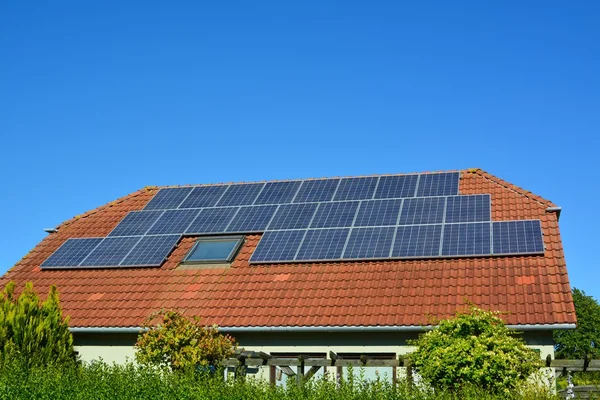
[(584, 341), (100, 381), (474, 349), (31, 331), (180, 343)]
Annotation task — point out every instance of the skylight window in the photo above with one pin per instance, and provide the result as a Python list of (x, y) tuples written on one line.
[(216, 249)]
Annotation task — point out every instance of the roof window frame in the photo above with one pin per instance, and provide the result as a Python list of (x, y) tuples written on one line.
[(207, 239)]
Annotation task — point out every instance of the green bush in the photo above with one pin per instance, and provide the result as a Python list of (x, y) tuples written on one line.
[(179, 343), (584, 341), (474, 348), (31, 331)]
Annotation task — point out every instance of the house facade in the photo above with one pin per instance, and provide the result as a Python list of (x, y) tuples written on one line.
[(355, 265)]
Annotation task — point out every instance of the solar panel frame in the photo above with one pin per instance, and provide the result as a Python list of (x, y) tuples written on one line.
[(111, 251), (417, 241), (243, 194), (136, 223), (150, 251), (212, 220), (71, 253), (278, 246), (362, 188), (168, 198), (173, 222), (422, 211), (369, 243), (468, 208), (251, 219), (293, 216), (278, 192), (204, 196), (438, 184), (318, 190), (467, 239), (323, 244), (517, 237), (396, 186), (378, 212)]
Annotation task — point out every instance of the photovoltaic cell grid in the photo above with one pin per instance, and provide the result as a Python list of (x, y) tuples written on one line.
[(136, 223), (518, 237), (151, 251), (356, 188), (278, 192), (378, 213), (293, 216), (173, 222), (111, 251), (203, 196), (467, 239), (251, 219), (240, 195), (316, 190), (438, 184), (278, 245), (474, 208), (417, 241), (72, 252), (369, 243), (333, 215), (323, 244), (391, 187), (424, 210), (168, 198)]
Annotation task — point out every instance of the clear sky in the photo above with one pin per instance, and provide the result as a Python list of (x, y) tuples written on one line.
[(99, 99)]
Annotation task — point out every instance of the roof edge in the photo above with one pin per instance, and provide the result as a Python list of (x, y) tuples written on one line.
[(383, 328)]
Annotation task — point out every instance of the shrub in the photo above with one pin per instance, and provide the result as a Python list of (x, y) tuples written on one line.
[(180, 343), (474, 348), (584, 341), (31, 331)]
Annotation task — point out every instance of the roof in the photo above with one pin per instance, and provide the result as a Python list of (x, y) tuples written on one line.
[(530, 289)]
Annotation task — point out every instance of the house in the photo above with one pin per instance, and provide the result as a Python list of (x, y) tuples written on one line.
[(354, 265)]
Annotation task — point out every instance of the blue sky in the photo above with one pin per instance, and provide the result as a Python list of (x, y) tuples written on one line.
[(100, 99)]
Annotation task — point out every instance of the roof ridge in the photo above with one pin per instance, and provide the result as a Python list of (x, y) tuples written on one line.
[(511, 186)]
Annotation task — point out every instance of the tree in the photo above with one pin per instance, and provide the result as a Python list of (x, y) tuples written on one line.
[(179, 342), (33, 332), (583, 341), (474, 348)]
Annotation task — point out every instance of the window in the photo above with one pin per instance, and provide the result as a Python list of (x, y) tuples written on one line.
[(215, 249)]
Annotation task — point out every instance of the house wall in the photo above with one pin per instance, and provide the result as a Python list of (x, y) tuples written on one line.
[(119, 347)]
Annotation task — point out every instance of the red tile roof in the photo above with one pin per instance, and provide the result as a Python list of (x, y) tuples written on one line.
[(530, 289)]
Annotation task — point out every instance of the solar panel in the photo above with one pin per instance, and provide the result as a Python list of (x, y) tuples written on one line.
[(151, 251), (356, 188), (278, 192), (204, 196), (323, 244), (111, 251), (417, 241), (240, 195), (444, 184), (72, 252), (474, 208), (332, 215), (212, 220), (378, 213), (316, 190), (168, 198), (422, 210), (466, 239), (136, 223), (173, 222), (293, 216), (252, 219), (518, 237), (396, 186), (278, 246), (369, 243)]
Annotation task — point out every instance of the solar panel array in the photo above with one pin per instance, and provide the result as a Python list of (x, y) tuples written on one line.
[(401, 216)]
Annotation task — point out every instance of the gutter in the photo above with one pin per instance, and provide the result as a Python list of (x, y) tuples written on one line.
[(388, 328)]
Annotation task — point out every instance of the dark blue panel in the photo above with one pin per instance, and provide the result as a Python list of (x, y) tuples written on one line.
[(110, 252), (393, 187), (252, 219), (378, 212), (204, 196), (323, 244), (173, 222), (277, 246), (466, 239), (417, 241), (369, 243), (422, 210), (293, 216), (240, 195), (168, 198), (72, 252), (151, 251), (136, 223), (316, 190), (356, 188), (475, 208), (278, 192), (445, 184), (518, 237), (333, 215), (212, 220)]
